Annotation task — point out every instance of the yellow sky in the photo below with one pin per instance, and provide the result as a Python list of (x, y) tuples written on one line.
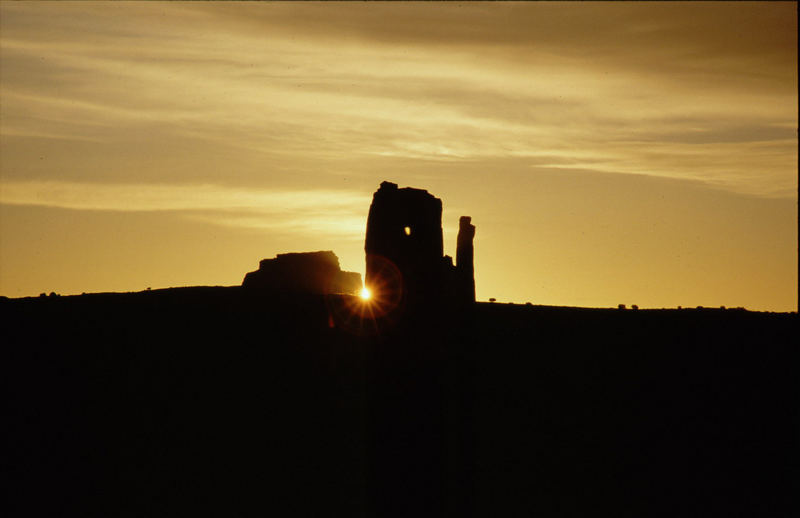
[(637, 153)]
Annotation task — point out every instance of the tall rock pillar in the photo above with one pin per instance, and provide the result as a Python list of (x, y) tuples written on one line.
[(465, 268), (406, 265), (404, 246)]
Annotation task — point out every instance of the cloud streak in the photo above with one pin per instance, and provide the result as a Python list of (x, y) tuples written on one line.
[(298, 87), (308, 212)]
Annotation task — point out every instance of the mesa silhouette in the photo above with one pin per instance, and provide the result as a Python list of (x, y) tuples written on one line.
[(310, 272), (290, 395)]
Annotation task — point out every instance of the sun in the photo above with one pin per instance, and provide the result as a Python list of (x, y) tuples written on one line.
[(365, 294)]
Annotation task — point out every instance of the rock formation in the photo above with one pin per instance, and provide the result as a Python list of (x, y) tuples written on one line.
[(406, 265), (404, 250), (465, 269), (307, 272)]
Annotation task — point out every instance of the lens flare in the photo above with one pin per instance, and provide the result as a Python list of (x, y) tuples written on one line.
[(365, 294)]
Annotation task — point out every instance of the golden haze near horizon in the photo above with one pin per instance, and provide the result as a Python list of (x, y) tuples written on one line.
[(636, 153)]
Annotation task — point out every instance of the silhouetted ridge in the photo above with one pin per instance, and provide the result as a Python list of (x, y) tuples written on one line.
[(284, 398), (305, 272)]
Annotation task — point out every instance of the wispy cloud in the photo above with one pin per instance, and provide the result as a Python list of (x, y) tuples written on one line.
[(309, 212), (183, 88)]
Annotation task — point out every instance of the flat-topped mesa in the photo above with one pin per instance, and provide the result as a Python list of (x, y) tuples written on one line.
[(404, 250), (303, 272)]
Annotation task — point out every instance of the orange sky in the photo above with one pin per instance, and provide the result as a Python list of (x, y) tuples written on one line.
[(636, 153)]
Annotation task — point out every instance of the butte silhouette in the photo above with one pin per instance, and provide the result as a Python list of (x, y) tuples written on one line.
[(406, 269)]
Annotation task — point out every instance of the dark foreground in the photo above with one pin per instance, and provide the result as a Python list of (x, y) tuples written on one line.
[(210, 401)]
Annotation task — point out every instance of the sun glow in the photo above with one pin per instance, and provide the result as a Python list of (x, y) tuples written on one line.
[(365, 294)]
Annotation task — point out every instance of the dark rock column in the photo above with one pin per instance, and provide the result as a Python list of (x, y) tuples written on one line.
[(404, 247), (464, 259)]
